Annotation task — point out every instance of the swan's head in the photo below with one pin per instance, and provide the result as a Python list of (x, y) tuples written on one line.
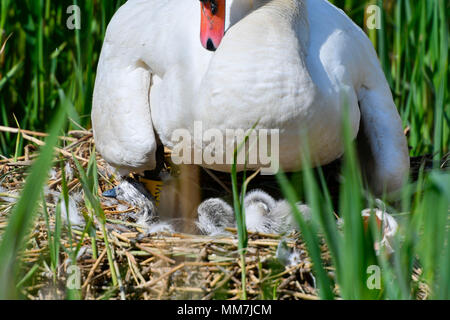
[(219, 15), (212, 23)]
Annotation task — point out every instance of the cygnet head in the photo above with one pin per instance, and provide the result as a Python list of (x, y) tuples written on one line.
[(214, 215), (258, 207), (265, 214), (135, 194)]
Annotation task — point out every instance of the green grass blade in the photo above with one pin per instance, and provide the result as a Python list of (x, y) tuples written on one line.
[(23, 214)]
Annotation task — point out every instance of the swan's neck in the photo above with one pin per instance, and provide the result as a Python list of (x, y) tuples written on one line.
[(236, 10), (293, 11)]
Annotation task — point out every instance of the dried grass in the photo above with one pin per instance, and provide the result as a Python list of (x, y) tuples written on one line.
[(158, 266)]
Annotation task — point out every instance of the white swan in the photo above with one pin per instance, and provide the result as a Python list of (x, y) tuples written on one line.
[(291, 64)]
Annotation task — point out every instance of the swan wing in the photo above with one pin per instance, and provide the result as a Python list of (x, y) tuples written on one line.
[(121, 116)]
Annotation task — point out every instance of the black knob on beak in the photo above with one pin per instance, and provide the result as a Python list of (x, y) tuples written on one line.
[(210, 45)]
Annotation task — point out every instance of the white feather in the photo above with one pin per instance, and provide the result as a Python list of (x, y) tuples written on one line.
[(262, 214), (73, 215)]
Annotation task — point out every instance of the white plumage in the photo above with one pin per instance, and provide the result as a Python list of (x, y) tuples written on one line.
[(291, 64), (264, 214)]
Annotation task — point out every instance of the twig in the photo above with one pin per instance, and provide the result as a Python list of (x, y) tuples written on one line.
[(94, 267), (167, 274), (156, 254), (33, 133), (212, 175), (62, 151)]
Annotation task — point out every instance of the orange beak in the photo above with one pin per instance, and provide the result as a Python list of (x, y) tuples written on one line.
[(212, 27)]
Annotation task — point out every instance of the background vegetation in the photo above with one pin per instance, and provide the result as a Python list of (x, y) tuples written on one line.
[(43, 66)]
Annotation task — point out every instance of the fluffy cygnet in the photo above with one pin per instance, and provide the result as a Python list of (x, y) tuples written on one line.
[(73, 215), (135, 194), (214, 215), (263, 214)]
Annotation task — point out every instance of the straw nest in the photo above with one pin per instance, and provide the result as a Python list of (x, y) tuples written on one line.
[(148, 266), (151, 266)]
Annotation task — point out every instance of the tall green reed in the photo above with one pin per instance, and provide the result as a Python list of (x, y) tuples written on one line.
[(421, 242), (43, 56), (22, 217)]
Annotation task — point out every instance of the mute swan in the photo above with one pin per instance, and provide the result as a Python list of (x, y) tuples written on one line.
[(291, 64)]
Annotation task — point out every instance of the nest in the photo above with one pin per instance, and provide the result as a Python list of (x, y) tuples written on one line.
[(150, 266), (158, 265)]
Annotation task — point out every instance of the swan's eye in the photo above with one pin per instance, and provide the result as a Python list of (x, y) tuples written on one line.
[(213, 4), (213, 7)]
